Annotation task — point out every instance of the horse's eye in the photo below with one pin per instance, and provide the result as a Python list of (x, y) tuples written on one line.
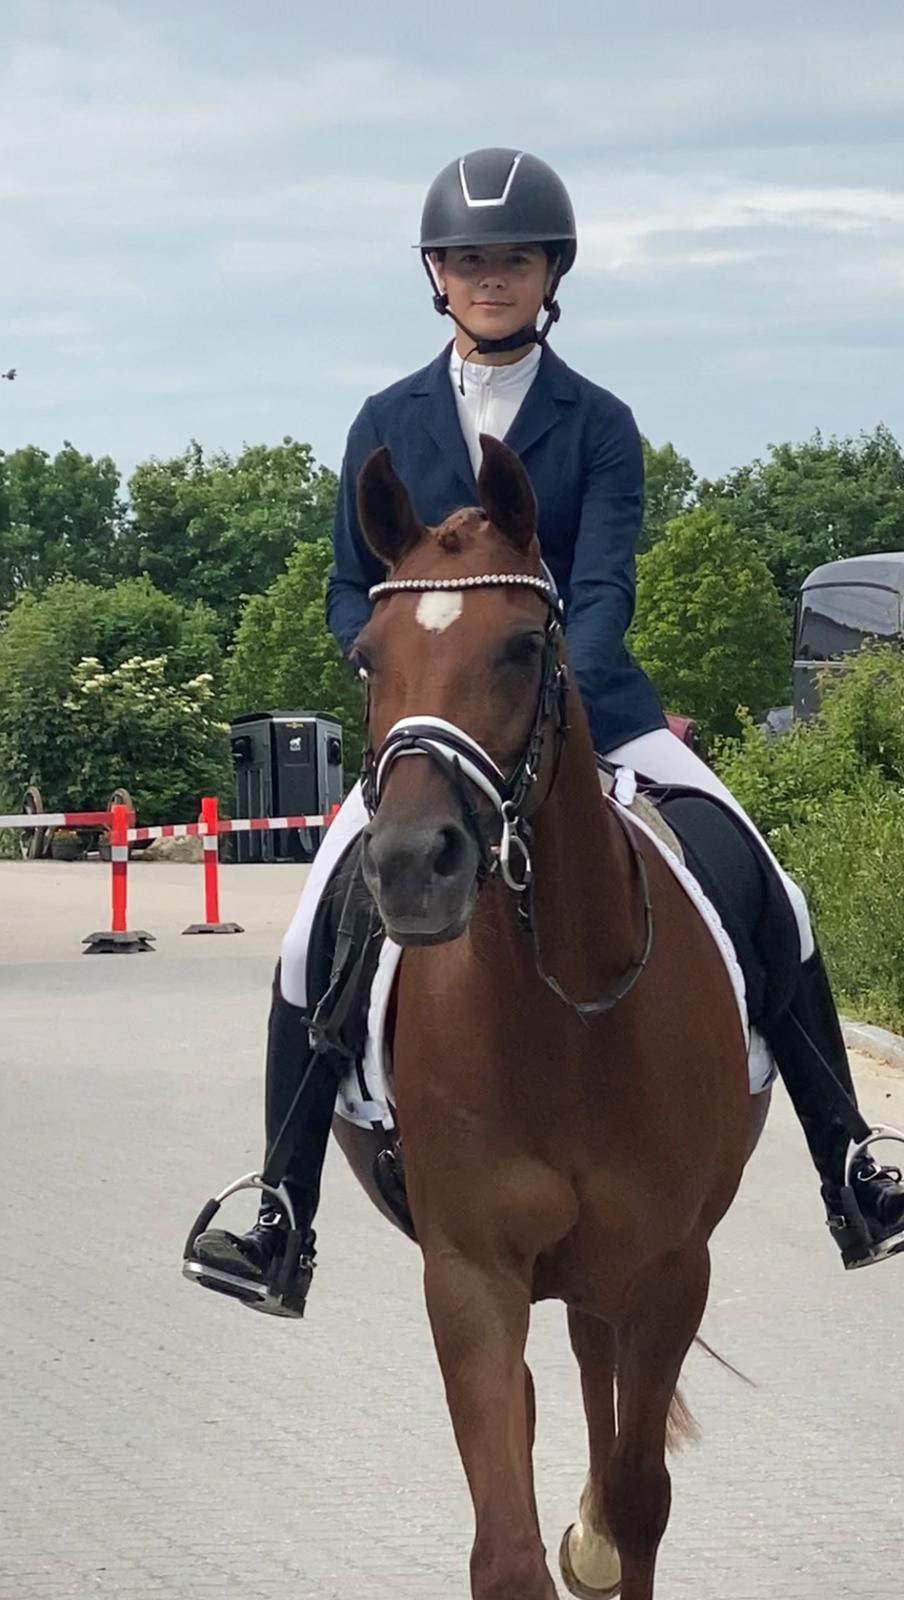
[(361, 665), (522, 651)]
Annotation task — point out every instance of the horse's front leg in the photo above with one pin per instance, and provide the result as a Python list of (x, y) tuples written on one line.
[(588, 1557), (479, 1313)]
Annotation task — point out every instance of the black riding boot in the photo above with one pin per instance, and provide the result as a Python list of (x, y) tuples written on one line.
[(251, 1257), (867, 1221)]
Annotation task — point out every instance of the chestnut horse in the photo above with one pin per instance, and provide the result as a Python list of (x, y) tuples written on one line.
[(570, 1067)]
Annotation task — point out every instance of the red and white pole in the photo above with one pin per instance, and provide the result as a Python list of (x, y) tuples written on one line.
[(119, 859), (210, 837), (211, 842), (119, 940)]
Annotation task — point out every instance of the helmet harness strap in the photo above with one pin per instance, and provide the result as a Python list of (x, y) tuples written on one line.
[(529, 334)]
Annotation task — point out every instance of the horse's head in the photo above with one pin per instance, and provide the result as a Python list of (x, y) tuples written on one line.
[(462, 658)]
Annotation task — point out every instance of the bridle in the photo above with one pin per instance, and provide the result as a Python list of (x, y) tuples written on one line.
[(461, 757), (462, 760)]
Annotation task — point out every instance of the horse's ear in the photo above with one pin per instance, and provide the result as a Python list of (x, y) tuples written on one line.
[(505, 492), (385, 512)]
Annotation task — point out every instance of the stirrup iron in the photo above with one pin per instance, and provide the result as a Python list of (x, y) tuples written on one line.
[(857, 1149), (272, 1293)]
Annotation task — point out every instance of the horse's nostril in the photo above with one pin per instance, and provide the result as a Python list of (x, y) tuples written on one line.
[(450, 852)]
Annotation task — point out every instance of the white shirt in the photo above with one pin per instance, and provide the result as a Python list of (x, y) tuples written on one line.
[(492, 397)]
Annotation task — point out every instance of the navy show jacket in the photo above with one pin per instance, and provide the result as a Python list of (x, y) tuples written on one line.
[(582, 452)]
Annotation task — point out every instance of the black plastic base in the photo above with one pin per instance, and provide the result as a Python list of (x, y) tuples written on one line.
[(214, 927), (118, 944)]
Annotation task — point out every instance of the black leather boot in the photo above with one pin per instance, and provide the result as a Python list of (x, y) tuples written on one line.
[(866, 1216), (246, 1264)]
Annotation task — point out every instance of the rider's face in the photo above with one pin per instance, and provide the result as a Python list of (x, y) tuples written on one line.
[(494, 289)]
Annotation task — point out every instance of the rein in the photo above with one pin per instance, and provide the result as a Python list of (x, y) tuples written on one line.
[(462, 760)]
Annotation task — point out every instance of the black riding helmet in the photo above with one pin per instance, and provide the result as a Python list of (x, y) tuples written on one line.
[(500, 197)]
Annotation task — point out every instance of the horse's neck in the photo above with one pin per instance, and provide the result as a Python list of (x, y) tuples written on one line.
[(584, 888)]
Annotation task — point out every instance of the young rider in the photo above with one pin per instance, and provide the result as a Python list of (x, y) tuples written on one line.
[(497, 237)]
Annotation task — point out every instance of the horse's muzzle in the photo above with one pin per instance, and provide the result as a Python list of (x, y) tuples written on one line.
[(423, 878)]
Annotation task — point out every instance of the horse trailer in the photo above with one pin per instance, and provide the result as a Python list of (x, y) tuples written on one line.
[(842, 606)]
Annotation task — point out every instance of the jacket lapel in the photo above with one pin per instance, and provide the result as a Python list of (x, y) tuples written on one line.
[(540, 409), (440, 416)]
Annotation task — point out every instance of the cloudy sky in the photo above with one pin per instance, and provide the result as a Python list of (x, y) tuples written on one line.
[(208, 209)]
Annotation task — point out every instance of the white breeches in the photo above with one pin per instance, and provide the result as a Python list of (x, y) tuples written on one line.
[(657, 755)]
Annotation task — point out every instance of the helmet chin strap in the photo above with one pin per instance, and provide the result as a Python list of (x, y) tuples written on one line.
[(529, 334)]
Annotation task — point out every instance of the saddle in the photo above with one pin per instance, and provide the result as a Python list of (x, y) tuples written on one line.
[(739, 878)]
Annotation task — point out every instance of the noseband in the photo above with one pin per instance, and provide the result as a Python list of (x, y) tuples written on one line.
[(461, 758)]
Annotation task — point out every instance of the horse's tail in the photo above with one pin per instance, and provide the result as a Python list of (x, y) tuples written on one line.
[(682, 1427), (735, 1371)]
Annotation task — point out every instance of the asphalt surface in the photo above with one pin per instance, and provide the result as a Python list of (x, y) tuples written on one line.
[(158, 1441)]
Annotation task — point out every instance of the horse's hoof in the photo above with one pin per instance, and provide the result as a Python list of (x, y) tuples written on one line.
[(570, 1578)]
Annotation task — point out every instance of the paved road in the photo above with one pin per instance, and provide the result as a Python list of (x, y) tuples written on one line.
[(158, 1442)]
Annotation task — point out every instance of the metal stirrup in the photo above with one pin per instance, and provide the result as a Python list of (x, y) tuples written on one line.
[(857, 1150)]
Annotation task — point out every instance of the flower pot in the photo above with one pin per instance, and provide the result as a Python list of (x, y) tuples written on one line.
[(65, 849)]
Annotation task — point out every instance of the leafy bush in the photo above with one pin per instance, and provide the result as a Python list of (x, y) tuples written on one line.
[(857, 732), (285, 657), (850, 861), (710, 629), (830, 798), (782, 782), (47, 646)]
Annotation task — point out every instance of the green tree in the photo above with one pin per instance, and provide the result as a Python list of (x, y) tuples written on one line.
[(709, 628), (44, 645), (220, 529), (284, 656), (816, 502), (670, 481), (60, 516)]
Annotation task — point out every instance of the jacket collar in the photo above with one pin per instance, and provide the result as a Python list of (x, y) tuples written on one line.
[(553, 387)]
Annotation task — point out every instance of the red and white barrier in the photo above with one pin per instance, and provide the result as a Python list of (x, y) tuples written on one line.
[(192, 830), (58, 819), (118, 938), (120, 822), (209, 828)]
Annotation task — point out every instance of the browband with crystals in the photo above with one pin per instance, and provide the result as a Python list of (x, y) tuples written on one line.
[(488, 580)]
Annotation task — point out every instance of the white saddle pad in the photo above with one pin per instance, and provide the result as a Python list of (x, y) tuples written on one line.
[(365, 1094)]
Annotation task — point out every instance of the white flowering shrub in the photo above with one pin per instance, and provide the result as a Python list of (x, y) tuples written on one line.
[(166, 737), (107, 687)]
